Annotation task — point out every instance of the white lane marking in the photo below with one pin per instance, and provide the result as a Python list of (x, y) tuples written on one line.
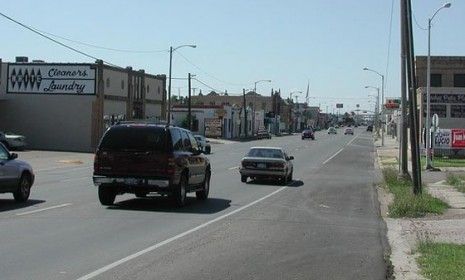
[(234, 167), (43, 209), (348, 143), (324, 206), (331, 157), (174, 238)]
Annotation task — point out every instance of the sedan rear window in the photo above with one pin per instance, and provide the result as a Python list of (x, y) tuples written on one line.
[(134, 139), (265, 153)]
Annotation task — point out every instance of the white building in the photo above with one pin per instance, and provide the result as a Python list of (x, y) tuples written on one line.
[(67, 106)]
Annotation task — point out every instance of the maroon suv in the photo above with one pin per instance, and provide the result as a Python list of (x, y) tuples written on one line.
[(142, 158)]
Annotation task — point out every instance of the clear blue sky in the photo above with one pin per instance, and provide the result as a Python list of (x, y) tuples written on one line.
[(239, 42)]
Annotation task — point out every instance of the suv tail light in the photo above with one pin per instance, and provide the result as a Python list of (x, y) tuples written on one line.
[(171, 165), (96, 162)]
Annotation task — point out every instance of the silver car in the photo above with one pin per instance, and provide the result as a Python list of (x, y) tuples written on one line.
[(15, 141), (16, 176), (267, 162), (203, 143)]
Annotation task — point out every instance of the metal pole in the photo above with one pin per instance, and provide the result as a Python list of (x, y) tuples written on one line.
[(382, 110), (428, 93), (245, 114), (412, 84), (403, 164), (189, 106), (169, 87)]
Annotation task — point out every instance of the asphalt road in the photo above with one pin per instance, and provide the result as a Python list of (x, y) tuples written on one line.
[(323, 225)]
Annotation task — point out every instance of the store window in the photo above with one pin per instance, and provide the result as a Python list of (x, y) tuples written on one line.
[(436, 80), (459, 80)]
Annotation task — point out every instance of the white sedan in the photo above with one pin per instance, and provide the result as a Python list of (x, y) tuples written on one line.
[(267, 162)]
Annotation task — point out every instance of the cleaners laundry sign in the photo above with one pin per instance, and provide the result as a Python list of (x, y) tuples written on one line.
[(62, 79)]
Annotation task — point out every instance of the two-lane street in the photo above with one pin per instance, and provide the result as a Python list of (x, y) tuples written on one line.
[(323, 225)]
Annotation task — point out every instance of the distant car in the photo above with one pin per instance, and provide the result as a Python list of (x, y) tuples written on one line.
[(263, 134), (267, 162), (332, 130), (143, 158), (204, 143), (308, 133), (16, 176), (348, 130), (370, 128), (14, 141)]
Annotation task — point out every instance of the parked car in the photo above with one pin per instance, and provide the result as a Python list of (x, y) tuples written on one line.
[(204, 143), (16, 176), (308, 133), (263, 134), (370, 128), (142, 158), (267, 162), (348, 130), (14, 141), (332, 130)]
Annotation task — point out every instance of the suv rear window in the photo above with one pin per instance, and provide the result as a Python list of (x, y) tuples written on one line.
[(134, 139)]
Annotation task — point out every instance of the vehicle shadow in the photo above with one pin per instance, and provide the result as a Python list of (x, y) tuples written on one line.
[(165, 204), (11, 204), (293, 184)]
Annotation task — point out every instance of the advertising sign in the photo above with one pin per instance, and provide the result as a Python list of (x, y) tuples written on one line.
[(449, 138), (458, 138), (51, 79), (213, 127), (442, 139), (339, 105)]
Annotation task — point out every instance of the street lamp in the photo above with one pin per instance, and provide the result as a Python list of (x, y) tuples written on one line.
[(253, 102), (376, 108), (428, 90), (255, 84), (169, 80), (382, 99)]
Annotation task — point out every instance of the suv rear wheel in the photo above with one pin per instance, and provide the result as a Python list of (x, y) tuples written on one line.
[(106, 195), (203, 194), (180, 194), (24, 189)]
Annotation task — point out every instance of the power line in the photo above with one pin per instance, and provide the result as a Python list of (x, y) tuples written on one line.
[(389, 45), (56, 41), (206, 73), (208, 86), (102, 47)]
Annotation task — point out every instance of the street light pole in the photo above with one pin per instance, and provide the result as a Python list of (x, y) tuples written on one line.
[(428, 92), (382, 100), (253, 102), (376, 110), (169, 79)]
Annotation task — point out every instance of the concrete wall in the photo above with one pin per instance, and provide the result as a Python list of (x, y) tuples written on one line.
[(50, 122), (154, 88), (445, 65), (3, 79), (116, 82)]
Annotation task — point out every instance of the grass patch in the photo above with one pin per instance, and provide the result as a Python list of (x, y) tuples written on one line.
[(458, 181), (444, 162), (405, 203), (442, 261)]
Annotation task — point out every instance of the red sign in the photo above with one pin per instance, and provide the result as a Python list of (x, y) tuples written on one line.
[(458, 138)]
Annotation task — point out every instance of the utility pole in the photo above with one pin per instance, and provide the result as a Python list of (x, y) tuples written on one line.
[(245, 113), (403, 149), (414, 131), (189, 105)]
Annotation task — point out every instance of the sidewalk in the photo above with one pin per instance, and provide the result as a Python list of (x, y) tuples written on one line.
[(405, 234)]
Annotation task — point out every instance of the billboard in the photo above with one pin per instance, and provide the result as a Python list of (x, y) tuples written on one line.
[(339, 105), (51, 79), (213, 127), (449, 138)]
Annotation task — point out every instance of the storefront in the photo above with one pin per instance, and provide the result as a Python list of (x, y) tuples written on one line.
[(67, 106)]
